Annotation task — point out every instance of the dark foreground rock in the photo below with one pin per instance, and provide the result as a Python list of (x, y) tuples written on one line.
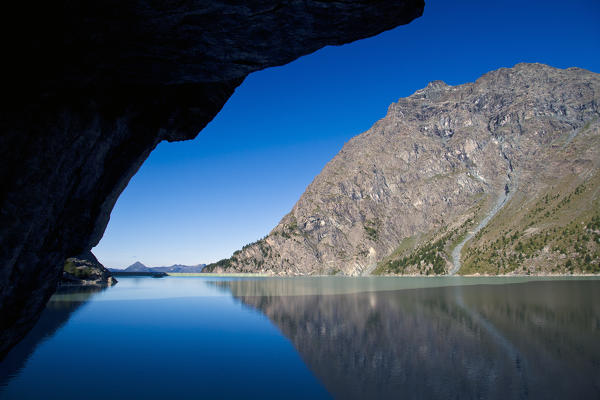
[(91, 88)]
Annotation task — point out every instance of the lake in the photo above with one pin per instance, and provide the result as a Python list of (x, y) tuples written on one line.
[(321, 337)]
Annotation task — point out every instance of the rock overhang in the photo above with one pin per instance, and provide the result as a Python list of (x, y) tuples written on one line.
[(92, 87)]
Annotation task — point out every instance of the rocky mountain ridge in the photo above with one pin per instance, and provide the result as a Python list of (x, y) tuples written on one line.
[(401, 197)]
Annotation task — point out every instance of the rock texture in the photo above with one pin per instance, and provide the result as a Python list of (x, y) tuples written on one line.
[(92, 87), (86, 270), (401, 196)]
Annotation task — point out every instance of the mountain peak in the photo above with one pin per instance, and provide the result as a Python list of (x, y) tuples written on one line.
[(432, 89), (137, 267)]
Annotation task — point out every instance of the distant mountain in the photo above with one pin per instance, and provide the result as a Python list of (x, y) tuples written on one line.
[(138, 267), (177, 268), (180, 268)]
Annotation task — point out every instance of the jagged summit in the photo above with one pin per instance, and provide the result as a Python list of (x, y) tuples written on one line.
[(432, 88)]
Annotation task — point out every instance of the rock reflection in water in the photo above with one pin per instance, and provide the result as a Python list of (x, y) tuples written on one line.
[(59, 309), (529, 340)]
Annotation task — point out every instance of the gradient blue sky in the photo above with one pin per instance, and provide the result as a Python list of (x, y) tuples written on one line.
[(198, 201)]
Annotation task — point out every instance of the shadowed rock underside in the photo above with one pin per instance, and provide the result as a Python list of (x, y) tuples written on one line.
[(92, 87)]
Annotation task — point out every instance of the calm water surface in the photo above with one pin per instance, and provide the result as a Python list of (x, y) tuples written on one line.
[(284, 338)]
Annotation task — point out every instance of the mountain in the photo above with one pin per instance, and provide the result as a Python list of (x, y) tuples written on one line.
[(137, 267), (179, 268), (498, 176)]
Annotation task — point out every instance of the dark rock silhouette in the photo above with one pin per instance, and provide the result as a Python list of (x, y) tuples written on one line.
[(91, 88)]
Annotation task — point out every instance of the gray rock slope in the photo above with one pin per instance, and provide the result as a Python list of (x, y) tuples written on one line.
[(441, 160)]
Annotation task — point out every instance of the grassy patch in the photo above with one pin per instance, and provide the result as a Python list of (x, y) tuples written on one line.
[(430, 253), (371, 229)]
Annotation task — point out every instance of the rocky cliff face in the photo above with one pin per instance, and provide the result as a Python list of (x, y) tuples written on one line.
[(92, 87), (402, 196)]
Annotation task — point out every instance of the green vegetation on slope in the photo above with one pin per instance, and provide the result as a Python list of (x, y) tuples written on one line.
[(429, 254), (232, 262), (81, 272), (371, 229), (427, 258), (557, 232)]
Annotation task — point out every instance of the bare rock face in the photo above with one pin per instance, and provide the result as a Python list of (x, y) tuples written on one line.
[(89, 90), (402, 196), (86, 270)]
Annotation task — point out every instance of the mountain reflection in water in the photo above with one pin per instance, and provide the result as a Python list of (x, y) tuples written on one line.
[(528, 340)]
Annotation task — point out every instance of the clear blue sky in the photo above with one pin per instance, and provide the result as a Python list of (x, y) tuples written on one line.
[(198, 201)]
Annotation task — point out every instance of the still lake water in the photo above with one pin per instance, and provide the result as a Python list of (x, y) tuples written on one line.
[(285, 338)]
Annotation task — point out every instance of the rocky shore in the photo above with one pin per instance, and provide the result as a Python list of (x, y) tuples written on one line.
[(86, 270)]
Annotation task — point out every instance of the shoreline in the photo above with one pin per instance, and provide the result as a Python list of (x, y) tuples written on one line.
[(263, 275), (220, 274)]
